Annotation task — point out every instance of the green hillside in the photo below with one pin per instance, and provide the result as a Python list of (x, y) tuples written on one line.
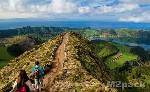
[(123, 35), (5, 56), (42, 53), (110, 51), (125, 51), (140, 74), (13, 47), (104, 49), (121, 69)]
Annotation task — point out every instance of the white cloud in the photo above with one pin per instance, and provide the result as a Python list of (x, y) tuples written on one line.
[(118, 8), (11, 15), (68, 9), (63, 6), (84, 10), (13, 5), (140, 17), (136, 1), (20, 8)]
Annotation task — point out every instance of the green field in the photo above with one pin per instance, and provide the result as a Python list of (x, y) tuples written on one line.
[(126, 56), (106, 49), (5, 57), (89, 32)]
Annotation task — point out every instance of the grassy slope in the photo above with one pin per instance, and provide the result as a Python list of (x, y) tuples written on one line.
[(145, 74), (145, 77), (14, 39), (5, 57), (42, 53), (126, 56), (82, 71), (105, 49)]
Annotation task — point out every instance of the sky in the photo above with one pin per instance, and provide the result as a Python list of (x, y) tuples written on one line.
[(91, 10)]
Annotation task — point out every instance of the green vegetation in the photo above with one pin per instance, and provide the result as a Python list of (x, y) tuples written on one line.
[(82, 65), (143, 55), (126, 56), (104, 49), (43, 53), (140, 73), (40, 34), (94, 61), (89, 32), (19, 35), (126, 68), (5, 56), (110, 51), (14, 50), (124, 35)]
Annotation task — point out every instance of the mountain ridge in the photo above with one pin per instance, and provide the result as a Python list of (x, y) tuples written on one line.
[(82, 70), (43, 52)]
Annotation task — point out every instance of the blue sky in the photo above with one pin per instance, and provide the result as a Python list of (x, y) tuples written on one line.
[(91, 10)]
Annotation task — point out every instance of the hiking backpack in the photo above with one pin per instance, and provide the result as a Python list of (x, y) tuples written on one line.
[(22, 89), (37, 73)]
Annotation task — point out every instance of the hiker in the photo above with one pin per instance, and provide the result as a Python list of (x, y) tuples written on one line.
[(37, 74), (22, 83)]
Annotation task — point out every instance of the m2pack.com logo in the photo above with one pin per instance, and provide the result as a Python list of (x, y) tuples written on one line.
[(124, 84)]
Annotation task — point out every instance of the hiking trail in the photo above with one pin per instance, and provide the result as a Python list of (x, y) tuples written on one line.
[(58, 61)]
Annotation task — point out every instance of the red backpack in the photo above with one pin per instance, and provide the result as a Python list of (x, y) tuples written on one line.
[(22, 89)]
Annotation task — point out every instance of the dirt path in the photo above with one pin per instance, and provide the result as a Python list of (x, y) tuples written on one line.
[(57, 64)]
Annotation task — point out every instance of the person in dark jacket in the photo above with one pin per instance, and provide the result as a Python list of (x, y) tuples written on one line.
[(22, 81)]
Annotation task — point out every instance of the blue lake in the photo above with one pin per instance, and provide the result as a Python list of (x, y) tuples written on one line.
[(146, 47)]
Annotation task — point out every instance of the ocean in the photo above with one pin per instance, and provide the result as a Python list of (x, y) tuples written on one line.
[(76, 24)]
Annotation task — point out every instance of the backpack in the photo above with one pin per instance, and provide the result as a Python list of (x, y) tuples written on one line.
[(37, 73), (22, 89)]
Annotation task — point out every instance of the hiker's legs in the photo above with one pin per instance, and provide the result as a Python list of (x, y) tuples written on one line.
[(40, 84), (41, 81), (36, 83)]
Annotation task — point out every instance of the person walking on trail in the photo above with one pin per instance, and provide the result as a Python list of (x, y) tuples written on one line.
[(22, 83), (37, 73)]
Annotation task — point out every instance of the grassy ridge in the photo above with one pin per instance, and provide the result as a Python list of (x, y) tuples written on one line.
[(83, 71), (42, 53)]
